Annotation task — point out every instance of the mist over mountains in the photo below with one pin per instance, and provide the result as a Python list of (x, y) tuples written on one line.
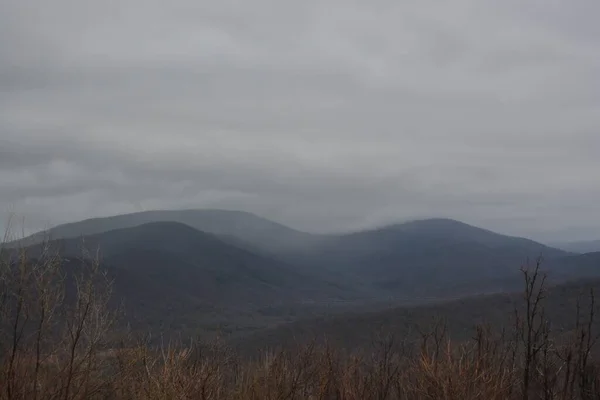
[(216, 269), (587, 246)]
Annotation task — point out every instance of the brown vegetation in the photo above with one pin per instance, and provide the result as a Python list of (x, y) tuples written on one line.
[(58, 341)]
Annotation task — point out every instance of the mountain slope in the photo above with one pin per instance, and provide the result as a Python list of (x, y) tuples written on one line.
[(173, 275), (589, 246), (359, 329), (129, 248), (574, 266), (244, 227), (439, 230), (434, 256), (440, 256)]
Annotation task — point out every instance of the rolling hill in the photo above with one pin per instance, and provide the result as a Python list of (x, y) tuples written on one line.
[(440, 256), (421, 258), (170, 273), (235, 226), (589, 246), (575, 266)]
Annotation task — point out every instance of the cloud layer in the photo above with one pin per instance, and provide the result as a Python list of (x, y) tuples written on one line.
[(325, 115)]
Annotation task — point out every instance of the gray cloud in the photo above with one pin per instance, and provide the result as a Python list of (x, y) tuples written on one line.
[(325, 115)]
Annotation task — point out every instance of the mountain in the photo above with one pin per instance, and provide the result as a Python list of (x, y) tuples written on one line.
[(406, 262), (168, 273), (438, 230), (589, 246), (238, 226), (176, 277), (417, 258), (574, 266)]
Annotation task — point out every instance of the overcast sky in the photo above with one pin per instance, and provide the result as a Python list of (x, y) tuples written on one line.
[(324, 115)]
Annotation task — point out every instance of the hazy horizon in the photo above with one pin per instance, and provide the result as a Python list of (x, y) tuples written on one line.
[(19, 227)]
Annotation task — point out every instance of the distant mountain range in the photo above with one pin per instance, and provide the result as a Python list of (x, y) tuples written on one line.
[(417, 258), (180, 267), (589, 246), (230, 225), (165, 268)]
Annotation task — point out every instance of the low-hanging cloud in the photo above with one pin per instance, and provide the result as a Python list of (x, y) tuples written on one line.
[(325, 115)]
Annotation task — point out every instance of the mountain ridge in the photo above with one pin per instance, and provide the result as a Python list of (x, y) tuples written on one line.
[(585, 246), (258, 231), (172, 271), (435, 254)]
